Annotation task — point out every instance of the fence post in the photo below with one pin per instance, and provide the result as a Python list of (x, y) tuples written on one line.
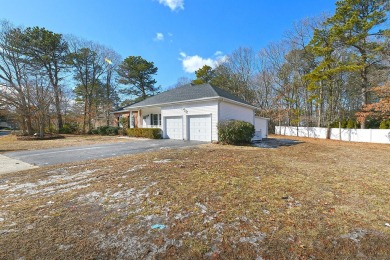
[(339, 130), (370, 135)]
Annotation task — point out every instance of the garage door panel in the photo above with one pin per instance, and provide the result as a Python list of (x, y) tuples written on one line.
[(174, 127), (200, 128)]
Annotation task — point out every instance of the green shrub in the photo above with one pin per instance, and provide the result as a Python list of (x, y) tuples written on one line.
[(102, 130), (124, 121), (69, 128), (235, 132), (105, 130), (385, 124), (152, 133), (112, 130), (93, 132), (372, 123), (351, 124), (50, 129)]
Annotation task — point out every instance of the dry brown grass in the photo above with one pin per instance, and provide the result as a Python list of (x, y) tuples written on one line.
[(9, 143), (318, 199)]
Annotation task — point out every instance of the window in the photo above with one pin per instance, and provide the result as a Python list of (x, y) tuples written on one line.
[(155, 119)]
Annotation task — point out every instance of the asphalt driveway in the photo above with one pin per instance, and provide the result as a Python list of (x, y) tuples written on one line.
[(89, 152)]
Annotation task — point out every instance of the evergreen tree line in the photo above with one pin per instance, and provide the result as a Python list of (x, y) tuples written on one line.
[(326, 72)]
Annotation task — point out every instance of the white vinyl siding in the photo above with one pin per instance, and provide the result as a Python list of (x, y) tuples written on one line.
[(146, 116), (261, 124), (230, 111), (202, 108)]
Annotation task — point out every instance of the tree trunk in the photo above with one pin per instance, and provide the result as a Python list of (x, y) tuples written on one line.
[(365, 85), (41, 127), (364, 102), (85, 115), (57, 94), (30, 129)]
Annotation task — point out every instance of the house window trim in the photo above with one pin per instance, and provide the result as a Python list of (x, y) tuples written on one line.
[(154, 120)]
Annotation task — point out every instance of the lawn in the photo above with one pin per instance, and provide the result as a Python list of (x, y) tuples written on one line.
[(316, 199), (9, 143)]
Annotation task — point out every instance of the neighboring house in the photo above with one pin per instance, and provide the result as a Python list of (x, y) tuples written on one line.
[(192, 112), (4, 124)]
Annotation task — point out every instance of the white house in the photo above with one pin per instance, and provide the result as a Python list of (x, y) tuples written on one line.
[(192, 112)]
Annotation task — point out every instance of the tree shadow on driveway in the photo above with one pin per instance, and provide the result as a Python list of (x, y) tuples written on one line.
[(276, 143)]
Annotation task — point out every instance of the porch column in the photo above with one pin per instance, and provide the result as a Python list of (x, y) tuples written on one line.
[(131, 118), (139, 118)]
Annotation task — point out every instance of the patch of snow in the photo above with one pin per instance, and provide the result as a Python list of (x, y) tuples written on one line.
[(54, 184), (219, 227), (6, 231), (64, 247), (163, 161), (136, 168), (202, 207), (355, 235), (123, 194), (254, 240)]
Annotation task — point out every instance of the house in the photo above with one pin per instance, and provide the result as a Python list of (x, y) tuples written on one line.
[(192, 112)]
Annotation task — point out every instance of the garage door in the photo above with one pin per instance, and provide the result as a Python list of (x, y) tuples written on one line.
[(174, 127), (200, 128)]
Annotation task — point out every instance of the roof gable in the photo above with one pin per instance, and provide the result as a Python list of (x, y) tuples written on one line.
[(187, 93)]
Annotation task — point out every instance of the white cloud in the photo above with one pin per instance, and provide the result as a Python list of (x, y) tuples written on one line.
[(159, 37), (193, 63), (173, 4), (218, 53)]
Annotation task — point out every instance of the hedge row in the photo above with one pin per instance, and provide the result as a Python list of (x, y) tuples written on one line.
[(151, 133), (105, 130)]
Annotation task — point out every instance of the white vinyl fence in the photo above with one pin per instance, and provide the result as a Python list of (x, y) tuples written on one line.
[(343, 134)]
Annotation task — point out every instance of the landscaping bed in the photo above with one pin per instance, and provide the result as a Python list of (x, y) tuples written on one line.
[(37, 137)]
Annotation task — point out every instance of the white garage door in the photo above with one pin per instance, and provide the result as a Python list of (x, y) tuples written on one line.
[(200, 128), (174, 128)]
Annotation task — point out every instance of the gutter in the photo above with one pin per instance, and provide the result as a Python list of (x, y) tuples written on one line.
[(175, 103), (191, 101)]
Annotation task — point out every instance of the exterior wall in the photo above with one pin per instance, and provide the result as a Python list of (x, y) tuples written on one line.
[(146, 115), (5, 124), (261, 124), (353, 135), (115, 120), (194, 108), (228, 111)]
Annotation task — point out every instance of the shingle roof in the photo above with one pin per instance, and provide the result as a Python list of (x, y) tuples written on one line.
[(186, 93)]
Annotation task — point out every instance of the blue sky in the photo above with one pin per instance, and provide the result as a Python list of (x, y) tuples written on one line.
[(177, 35)]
